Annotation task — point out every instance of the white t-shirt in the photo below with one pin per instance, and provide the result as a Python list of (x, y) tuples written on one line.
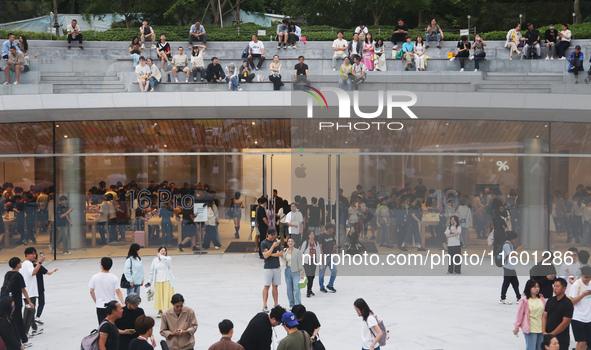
[(582, 309), (145, 70), (30, 279), (294, 219), (256, 48), (453, 241), (339, 43), (161, 271), (105, 286), (366, 337), (358, 30)]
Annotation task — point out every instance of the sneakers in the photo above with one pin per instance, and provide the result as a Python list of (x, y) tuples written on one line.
[(181, 247), (159, 314), (195, 249), (50, 248), (279, 46), (153, 47), (505, 301), (552, 58), (471, 58), (15, 83), (294, 47), (143, 46), (547, 58), (6, 83), (229, 85), (404, 249), (239, 89), (462, 69), (476, 70), (562, 58), (266, 310), (194, 79), (334, 69), (216, 247), (323, 290), (256, 68), (331, 289), (36, 332), (421, 249), (67, 253), (587, 80), (27, 344), (38, 320), (452, 59)]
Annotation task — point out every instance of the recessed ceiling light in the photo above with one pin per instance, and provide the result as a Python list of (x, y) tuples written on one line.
[(165, 146), (65, 136), (57, 125), (437, 146), (537, 136)]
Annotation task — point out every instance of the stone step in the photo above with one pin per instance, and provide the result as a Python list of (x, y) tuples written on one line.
[(61, 89), (57, 80), (84, 83), (512, 90), (503, 86), (77, 74)]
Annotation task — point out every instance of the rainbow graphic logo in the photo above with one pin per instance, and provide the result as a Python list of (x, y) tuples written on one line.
[(316, 97)]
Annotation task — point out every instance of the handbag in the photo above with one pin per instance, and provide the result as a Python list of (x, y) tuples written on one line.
[(124, 282), (317, 345), (382, 327), (303, 283), (451, 54), (399, 54)]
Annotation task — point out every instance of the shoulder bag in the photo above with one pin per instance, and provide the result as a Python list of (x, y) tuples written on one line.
[(124, 282)]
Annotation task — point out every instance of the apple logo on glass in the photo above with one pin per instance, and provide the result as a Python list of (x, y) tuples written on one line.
[(300, 172)]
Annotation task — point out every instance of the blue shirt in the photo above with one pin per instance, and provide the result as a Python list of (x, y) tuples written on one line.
[(6, 47), (408, 47), (281, 28), (134, 270), (571, 59)]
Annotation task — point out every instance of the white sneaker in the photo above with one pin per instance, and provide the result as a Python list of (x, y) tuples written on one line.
[(6, 83), (239, 89), (562, 58), (451, 59), (38, 320), (471, 58), (36, 332), (266, 310), (334, 69), (462, 69), (476, 70), (229, 85), (547, 58), (153, 47), (552, 58), (15, 83), (216, 247), (294, 47), (51, 248), (143, 46), (176, 80), (395, 47), (27, 344), (186, 80), (505, 301), (67, 253)]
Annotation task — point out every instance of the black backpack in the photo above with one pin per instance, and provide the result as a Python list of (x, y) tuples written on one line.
[(497, 255)]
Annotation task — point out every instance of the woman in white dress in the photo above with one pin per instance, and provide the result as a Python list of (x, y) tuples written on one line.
[(420, 54)]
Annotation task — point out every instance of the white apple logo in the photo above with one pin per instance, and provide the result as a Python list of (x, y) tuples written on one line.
[(300, 172)]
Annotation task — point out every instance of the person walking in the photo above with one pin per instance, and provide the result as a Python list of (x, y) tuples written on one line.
[(15, 284), (226, 328), (313, 255), (29, 272), (453, 233), (579, 295), (328, 245), (294, 272), (558, 314), (258, 334), (272, 251), (162, 281), (179, 325), (509, 274), (370, 332), (41, 286), (104, 287), (529, 316), (236, 213), (134, 269)]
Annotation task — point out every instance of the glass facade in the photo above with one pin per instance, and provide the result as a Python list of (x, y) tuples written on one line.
[(137, 180)]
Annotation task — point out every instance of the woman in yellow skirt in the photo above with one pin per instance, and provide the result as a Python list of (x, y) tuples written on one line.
[(162, 280)]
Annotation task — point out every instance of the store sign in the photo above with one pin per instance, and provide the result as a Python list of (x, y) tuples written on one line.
[(344, 104)]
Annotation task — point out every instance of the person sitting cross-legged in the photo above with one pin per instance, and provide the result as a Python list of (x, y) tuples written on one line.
[(180, 63)]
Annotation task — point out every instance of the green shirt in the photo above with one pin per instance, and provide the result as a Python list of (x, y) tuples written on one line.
[(299, 340)]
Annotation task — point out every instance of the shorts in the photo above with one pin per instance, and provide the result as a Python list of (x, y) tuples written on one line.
[(272, 277), (582, 331), (180, 68)]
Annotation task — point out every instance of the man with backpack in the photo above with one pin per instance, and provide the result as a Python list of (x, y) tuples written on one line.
[(108, 332), (14, 285), (532, 40), (509, 274)]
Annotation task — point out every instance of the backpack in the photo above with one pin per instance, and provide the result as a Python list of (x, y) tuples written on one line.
[(245, 52), (382, 341), (90, 342), (497, 255), (6, 289)]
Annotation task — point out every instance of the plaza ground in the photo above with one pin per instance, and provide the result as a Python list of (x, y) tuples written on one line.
[(427, 312)]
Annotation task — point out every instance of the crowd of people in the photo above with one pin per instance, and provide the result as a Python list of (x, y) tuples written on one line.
[(360, 56)]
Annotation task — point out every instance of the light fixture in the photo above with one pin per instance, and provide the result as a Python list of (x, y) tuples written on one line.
[(546, 125), (446, 124), (537, 136), (252, 123), (57, 125), (65, 136), (256, 142), (436, 146), (165, 146), (155, 124)]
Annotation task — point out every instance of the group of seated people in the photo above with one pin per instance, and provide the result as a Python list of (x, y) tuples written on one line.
[(16, 56)]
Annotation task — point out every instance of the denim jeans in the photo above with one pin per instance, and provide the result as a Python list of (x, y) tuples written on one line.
[(384, 238), (376, 348), (342, 84), (136, 58), (477, 59), (533, 341), (234, 80), (437, 37), (333, 273), (293, 287), (135, 289), (166, 233), (153, 83)]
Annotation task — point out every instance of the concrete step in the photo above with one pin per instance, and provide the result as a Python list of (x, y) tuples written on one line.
[(512, 90), (61, 89), (83, 83), (76, 74), (57, 80), (513, 82), (519, 87)]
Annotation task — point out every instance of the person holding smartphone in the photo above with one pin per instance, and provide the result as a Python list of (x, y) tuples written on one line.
[(179, 325), (41, 285)]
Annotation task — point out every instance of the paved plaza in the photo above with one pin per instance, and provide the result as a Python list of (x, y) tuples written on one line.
[(433, 312)]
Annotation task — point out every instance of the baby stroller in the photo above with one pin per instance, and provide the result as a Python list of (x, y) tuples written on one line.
[(354, 247)]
